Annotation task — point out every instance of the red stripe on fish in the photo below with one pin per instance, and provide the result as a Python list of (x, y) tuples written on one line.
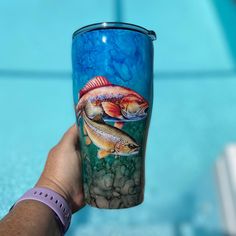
[(96, 82)]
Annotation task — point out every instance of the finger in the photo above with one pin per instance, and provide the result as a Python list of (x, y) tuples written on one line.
[(70, 137)]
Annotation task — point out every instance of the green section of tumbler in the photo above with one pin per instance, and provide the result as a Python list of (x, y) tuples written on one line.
[(114, 181)]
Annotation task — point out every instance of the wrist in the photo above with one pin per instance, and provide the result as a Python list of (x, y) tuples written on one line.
[(53, 200), (29, 214), (53, 185)]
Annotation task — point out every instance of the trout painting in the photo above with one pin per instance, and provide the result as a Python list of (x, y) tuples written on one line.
[(110, 140), (101, 101)]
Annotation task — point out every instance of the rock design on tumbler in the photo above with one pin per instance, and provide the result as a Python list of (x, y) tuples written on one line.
[(101, 101)]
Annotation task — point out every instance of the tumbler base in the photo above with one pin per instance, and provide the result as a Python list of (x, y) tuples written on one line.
[(116, 203)]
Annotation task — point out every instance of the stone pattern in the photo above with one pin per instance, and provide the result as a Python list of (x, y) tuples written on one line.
[(115, 181)]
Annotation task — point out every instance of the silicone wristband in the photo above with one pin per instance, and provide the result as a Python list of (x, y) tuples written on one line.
[(54, 201)]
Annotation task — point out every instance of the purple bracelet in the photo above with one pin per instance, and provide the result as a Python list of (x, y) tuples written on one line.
[(53, 200)]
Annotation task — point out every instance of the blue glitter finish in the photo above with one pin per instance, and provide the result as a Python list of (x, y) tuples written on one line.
[(124, 57)]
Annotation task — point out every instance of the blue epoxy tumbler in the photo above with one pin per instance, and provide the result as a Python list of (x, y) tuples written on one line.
[(113, 94)]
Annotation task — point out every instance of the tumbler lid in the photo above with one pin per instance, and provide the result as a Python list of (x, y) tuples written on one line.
[(116, 25)]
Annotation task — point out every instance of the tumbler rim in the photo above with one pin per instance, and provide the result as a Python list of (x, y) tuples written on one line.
[(116, 25)]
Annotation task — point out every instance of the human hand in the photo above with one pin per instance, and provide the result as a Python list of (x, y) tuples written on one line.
[(63, 170)]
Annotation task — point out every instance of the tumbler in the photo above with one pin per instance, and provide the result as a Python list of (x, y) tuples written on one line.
[(113, 94)]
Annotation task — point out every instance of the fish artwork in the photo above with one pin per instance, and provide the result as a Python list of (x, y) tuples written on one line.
[(101, 101), (113, 102), (109, 139)]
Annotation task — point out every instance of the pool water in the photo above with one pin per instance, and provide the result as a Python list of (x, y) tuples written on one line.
[(186, 135), (193, 113)]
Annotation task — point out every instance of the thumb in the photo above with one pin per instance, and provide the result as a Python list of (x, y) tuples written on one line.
[(70, 138)]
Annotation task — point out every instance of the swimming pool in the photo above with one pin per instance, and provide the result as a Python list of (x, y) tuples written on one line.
[(193, 117), (186, 135)]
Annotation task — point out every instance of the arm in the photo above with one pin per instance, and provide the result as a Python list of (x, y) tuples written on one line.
[(62, 174), (29, 218)]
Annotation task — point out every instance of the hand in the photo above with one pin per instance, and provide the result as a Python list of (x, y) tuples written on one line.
[(63, 172)]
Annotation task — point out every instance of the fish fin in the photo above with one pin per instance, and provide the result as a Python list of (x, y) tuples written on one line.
[(92, 109), (119, 125), (98, 118), (77, 111), (84, 129), (112, 110), (95, 82), (87, 140), (102, 153)]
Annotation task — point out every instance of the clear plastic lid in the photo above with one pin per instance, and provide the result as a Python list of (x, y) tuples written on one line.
[(116, 25)]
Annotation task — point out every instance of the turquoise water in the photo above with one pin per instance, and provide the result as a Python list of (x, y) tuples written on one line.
[(193, 117), (190, 126)]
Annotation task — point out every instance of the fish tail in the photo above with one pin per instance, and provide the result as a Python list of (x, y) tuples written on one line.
[(77, 111), (97, 118), (86, 119), (78, 114)]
